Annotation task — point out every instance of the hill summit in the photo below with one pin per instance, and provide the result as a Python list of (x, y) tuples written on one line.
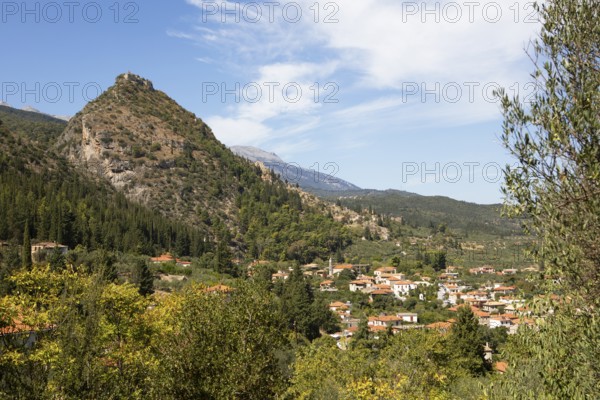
[(153, 150), (160, 155)]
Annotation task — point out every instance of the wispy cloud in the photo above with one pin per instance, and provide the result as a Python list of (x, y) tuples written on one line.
[(373, 50)]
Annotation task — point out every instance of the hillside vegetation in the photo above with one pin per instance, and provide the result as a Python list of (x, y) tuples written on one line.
[(429, 211)]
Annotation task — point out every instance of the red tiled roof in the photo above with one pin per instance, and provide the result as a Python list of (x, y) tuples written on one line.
[(17, 327), (503, 288), (377, 328)]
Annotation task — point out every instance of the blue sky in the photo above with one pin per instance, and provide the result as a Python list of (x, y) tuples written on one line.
[(396, 94)]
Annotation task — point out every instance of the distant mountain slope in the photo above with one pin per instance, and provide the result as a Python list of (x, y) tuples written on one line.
[(420, 210), (29, 109), (36, 126), (307, 179)]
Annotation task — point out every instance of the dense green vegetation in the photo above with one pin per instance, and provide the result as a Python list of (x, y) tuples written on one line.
[(556, 140), (34, 126), (429, 211), (48, 199), (102, 340), (276, 225)]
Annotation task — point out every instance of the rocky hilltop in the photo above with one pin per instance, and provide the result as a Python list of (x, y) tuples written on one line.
[(153, 150)]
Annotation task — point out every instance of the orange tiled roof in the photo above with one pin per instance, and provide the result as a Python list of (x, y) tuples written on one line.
[(17, 327), (444, 325), (377, 328), (502, 288), (219, 288), (163, 258), (382, 291), (501, 366)]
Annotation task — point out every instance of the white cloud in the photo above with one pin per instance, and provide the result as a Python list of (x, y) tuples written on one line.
[(374, 50), (238, 131)]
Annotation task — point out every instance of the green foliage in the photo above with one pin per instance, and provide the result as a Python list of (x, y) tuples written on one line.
[(34, 126), (410, 365), (142, 277), (422, 211), (64, 206), (466, 341), (304, 315), (219, 345), (439, 260), (276, 225), (556, 140), (99, 340)]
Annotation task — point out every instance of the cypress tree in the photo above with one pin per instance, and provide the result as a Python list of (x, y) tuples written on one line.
[(26, 251), (143, 278)]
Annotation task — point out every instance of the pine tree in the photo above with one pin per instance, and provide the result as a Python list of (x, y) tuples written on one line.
[(363, 334)]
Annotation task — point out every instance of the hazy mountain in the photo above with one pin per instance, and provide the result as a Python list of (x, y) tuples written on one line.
[(35, 110), (307, 179)]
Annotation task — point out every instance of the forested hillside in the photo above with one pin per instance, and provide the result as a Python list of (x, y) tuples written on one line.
[(42, 195), (41, 128), (425, 211), (143, 175)]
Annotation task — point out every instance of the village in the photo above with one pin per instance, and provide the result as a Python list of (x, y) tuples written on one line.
[(496, 302)]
